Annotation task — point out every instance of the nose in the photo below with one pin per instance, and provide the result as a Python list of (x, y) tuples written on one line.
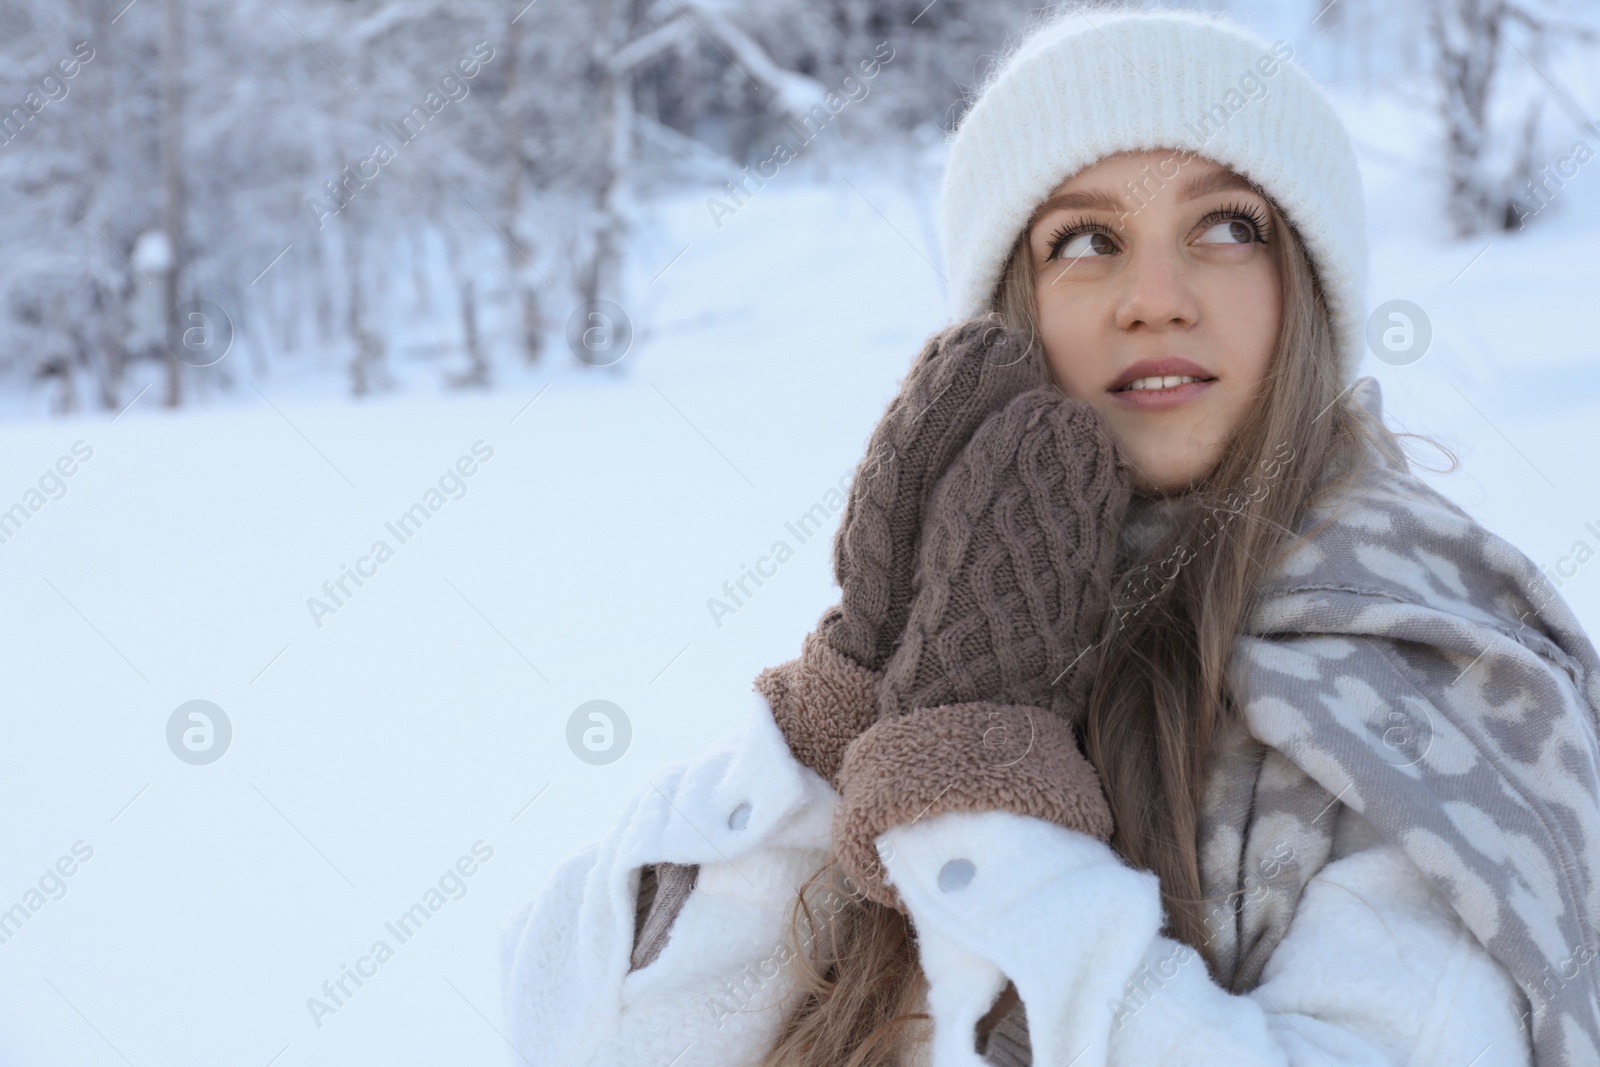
[(1156, 293)]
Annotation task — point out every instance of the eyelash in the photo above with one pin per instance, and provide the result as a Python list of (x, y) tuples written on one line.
[(1237, 210)]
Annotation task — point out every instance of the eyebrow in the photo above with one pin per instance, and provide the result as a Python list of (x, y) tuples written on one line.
[(1198, 185)]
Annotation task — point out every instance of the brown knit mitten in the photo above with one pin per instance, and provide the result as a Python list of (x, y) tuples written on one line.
[(978, 703), (1015, 564), (963, 375), (825, 698)]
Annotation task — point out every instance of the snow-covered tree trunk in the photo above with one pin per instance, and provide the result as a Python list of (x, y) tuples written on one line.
[(522, 279), (476, 375), (599, 276), (172, 207), (367, 371), (1466, 40)]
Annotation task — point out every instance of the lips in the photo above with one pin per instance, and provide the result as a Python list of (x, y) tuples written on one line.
[(1158, 374)]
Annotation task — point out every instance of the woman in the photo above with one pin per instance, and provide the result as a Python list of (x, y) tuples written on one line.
[(1165, 716)]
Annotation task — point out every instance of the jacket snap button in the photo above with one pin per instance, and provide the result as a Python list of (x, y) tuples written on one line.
[(740, 816), (956, 875)]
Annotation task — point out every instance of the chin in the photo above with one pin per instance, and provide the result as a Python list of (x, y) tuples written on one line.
[(1154, 476)]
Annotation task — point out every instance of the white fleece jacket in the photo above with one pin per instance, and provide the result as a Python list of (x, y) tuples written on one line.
[(1375, 969)]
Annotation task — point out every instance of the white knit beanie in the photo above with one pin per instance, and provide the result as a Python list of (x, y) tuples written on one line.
[(1083, 86)]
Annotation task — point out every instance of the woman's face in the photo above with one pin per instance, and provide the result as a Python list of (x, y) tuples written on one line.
[(1158, 296)]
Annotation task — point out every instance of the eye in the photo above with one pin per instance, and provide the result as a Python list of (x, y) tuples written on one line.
[(1085, 245), (1235, 231), (1080, 240), (1235, 224)]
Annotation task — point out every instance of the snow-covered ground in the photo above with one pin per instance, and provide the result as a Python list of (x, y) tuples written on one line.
[(428, 714)]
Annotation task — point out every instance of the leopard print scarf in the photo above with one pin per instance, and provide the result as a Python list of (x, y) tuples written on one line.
[(1412, 665)]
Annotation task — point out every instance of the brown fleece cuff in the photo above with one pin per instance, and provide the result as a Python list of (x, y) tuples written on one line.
[(977, 756), (821, 701)]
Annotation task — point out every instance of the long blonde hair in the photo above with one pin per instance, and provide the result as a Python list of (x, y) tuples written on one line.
[(1161, 687)]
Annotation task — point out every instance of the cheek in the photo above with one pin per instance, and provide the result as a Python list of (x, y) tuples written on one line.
[(1247, 310), (1067, 332)]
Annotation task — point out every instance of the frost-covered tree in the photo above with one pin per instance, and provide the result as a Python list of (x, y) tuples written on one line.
[(1498, 155)]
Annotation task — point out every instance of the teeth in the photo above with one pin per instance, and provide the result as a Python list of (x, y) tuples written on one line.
[(1161, 382)]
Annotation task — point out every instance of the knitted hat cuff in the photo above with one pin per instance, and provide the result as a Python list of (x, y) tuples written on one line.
[(1075, 91)]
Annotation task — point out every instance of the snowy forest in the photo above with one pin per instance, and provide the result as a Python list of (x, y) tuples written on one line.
[(376, 193)]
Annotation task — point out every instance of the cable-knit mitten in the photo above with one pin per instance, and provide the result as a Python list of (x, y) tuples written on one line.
[(963, 375), (825, 698), (979, 702), (1015, 564)]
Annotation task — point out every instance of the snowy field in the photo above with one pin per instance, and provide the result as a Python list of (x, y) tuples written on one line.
[(423, 722)]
